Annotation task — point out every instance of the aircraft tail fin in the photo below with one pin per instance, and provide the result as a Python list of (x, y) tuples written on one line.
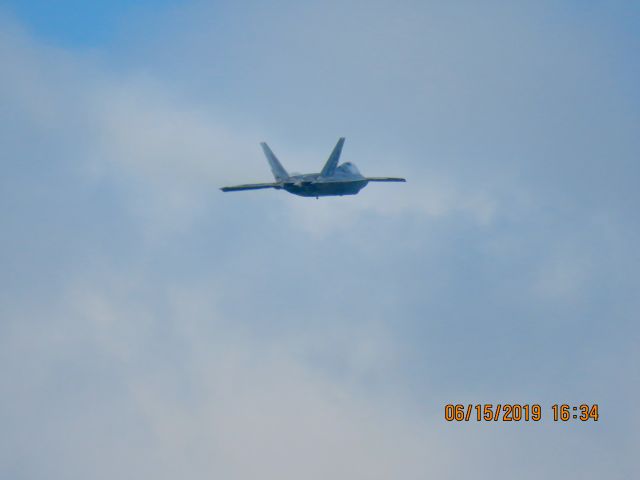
[(279, 173), (332, 163)]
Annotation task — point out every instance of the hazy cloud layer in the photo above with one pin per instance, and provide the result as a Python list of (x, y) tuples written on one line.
[(152, 326)]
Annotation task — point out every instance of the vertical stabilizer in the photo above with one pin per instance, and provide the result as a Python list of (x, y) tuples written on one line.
[(332, 163), (279, 173)]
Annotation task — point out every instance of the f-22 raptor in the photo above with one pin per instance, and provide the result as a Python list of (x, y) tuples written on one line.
[(333, 180)]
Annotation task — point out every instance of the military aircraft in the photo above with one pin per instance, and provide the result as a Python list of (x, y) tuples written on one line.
[(333, 180)]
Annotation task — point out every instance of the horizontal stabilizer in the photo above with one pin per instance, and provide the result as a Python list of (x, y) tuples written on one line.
[(386, 179), (251, 186)]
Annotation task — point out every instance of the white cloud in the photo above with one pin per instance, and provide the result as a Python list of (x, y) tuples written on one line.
[(207, 401)]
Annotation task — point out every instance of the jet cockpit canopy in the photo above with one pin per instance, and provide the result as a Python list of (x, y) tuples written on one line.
[(348, 167)]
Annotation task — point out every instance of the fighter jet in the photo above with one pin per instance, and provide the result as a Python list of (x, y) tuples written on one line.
[(333, 180)]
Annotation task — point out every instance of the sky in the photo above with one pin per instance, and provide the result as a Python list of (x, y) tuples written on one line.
[(152, 326)]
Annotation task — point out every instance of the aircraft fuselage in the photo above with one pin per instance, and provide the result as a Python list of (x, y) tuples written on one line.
[(314, 185)]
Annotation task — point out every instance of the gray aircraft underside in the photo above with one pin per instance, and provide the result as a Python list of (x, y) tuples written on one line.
[(334, 179)]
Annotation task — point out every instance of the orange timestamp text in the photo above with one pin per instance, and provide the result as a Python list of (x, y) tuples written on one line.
[(516, 412)]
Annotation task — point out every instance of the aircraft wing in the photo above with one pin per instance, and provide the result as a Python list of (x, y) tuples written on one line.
[(386, 179), (251, 186)]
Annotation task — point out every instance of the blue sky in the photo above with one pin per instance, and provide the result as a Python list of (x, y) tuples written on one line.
[(78, 24), (153, 326)]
